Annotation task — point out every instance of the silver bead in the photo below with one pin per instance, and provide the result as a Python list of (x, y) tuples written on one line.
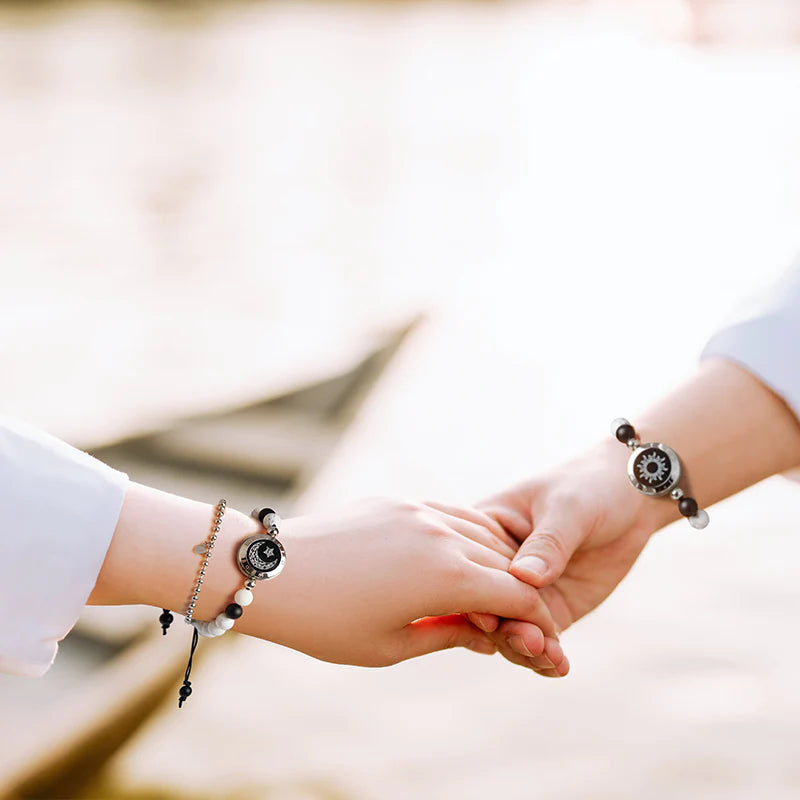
[(699, 520), (633, 443), (211, 545), (615, 425), (216, 529), (676, 493)]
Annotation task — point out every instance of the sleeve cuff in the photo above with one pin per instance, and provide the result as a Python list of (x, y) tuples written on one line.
[(769, 348), (61, 508)]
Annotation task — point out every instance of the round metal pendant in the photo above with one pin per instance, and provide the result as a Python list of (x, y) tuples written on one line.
[(654, 469), (261, 557)]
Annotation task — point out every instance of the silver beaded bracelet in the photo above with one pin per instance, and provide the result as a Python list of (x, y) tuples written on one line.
[(203, 549), (259, 557), (654, 469)]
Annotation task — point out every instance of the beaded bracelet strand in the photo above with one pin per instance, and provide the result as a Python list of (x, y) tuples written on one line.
[(654, 469), (204, 549), (259, 557)]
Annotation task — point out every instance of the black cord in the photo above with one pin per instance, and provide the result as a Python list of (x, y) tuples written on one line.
[(186, 689)]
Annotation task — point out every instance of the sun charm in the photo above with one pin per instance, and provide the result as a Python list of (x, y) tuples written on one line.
[(654, 468)]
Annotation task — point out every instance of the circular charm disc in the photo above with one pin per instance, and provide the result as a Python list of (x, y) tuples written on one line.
[(261, 556), (654, 468)]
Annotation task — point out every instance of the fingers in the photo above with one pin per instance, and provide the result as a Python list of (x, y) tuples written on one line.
[(431, 634), (497, 592), (482, 520), (544, 655), (486, 622), (475, 530), (543, 556), (511, 520)]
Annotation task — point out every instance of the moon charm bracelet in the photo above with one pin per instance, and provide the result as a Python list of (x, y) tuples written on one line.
[(259, 557), (654, 469)]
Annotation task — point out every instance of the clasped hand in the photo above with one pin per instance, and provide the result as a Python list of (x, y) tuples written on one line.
[(387, 580)]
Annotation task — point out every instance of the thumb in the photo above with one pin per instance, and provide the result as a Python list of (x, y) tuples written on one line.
[(429, 634), (544, 555)]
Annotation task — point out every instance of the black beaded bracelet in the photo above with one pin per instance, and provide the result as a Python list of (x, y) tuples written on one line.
[(654, 469)]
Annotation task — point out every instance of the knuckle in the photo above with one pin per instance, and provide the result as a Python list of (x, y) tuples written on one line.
[(434, 530), (455, 570), (549, 542)]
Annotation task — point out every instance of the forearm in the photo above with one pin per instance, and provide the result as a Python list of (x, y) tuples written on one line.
[(352, 590), (150, 560), (582, 526), (729, 430)]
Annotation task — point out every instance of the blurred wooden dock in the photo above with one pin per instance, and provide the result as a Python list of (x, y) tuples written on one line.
[(115, 669)]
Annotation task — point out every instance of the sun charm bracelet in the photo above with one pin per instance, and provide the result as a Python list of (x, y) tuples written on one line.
[(654, 469)]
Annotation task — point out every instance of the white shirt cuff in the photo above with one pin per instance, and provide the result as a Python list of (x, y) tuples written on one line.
[(60, 510)]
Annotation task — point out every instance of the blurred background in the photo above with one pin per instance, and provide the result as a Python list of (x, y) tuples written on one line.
[(300, 252)]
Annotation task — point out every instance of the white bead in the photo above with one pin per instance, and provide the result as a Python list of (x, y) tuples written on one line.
[(226, 623), (243, 597), (699, 520), (209, 629), (615, 425), (202, 629)]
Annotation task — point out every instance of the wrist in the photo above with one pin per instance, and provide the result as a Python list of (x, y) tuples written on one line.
[(608, 464)]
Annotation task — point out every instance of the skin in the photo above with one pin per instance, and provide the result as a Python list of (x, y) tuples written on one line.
[(370, 585), (582, 526)]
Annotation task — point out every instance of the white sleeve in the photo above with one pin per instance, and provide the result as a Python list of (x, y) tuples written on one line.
[(765, 339), (59, 510)]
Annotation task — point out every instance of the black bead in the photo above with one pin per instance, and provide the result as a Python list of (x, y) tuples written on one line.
[(166, 620), (233, 611), (688, 506), (625, 432), (185, 691), (263, 513)]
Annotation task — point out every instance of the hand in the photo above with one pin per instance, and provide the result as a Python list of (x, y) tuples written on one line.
[(581, 526), (387, 580)]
